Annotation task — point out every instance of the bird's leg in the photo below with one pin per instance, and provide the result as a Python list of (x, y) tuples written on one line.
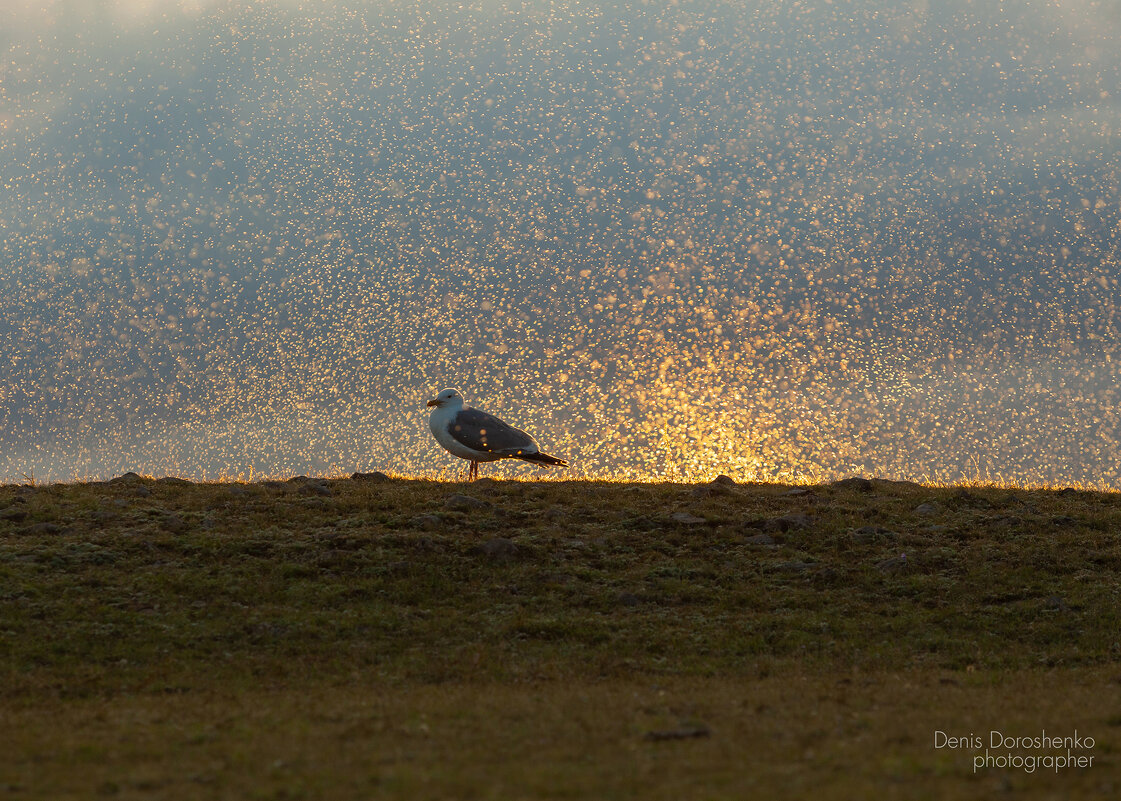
[(473, 471)]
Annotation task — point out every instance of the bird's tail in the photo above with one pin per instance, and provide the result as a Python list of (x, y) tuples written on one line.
[(543, 458)]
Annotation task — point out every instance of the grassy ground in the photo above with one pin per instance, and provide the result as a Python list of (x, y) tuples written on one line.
[(412, 639)]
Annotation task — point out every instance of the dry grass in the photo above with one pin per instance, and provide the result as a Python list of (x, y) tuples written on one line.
[(784, 736), (356, 639)]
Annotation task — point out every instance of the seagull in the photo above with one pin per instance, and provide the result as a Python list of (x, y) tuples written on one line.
[(481, 437)]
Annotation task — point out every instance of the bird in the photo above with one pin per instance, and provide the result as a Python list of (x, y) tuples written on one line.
[(480, 437)]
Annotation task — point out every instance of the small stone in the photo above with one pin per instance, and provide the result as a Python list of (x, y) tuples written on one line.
[(628, 599), (127, 478), (854, 483), (41, 529), (172, 480), (464, 503), (13, 515), (867, 534), (792, 567), (684, 732), (927, 509), (826, 576), (556, 514), (426, 521), (798, 492), (314, 487), (895, 565), (765, 540), (499, 549), (376, 477), (1056, 604), (175, 524), (237, 491), (721, 485), (1063, 520), (141, 491), (104, 516), (686, 518), (788, 522)]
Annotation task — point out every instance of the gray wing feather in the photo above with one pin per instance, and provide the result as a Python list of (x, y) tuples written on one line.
[(485, 432)]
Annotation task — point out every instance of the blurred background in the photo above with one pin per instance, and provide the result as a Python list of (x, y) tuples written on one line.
[(778, 240)]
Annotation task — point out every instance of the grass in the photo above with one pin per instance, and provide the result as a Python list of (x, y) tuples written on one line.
[(342, 639)]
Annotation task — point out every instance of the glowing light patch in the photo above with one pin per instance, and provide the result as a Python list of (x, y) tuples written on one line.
[(248, 244)]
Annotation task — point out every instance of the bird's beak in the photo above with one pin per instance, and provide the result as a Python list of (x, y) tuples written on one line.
[(434, 402)]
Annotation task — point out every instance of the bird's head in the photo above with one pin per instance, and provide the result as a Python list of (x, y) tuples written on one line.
[(447, 397)]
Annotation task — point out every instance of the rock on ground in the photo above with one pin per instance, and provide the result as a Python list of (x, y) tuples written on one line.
[(797, 520), (867, 534), (895, 565), (127, 478), (854, 483), (687, 518), (499, 549), (464, 503), (376, 477), (761, 539)]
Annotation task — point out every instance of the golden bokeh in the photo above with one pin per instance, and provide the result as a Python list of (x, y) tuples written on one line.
[(782, 241)]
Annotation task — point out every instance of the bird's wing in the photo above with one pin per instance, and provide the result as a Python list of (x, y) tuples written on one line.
[(485, 432)]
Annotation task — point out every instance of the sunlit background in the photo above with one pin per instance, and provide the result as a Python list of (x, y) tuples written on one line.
[(777, 240)]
